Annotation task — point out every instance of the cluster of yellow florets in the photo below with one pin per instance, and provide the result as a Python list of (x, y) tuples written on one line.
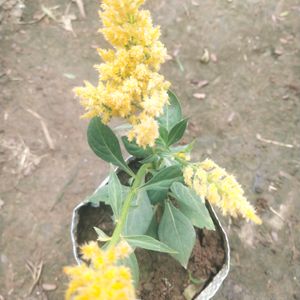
[(219, 188), (103, 279), (129, 85)]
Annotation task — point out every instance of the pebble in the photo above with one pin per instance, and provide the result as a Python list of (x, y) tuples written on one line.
[(258, 184), (148, 286)]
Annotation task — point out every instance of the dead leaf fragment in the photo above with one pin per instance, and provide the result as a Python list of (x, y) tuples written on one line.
[(214, 58), (283, 41), (69, 75), (49, 12), (284, 14), (199, 96), (202, 83), (230, 118), (66, 21), (48, 287), (199, 83)]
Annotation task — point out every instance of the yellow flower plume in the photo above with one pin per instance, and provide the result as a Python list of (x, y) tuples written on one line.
[(103, 278), (129, 84), (219, 188)]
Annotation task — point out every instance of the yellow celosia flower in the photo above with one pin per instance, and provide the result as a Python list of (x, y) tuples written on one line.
[(129, 84), (221, 189), (103, 278), (145, 131)]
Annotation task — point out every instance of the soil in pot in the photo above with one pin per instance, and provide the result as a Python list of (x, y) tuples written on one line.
[(161, 277)]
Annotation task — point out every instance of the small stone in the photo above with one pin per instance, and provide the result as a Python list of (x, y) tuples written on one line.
[(205, 57), (285, 97), (258, 184), (190, 292), (48, 287), (274, 236), (148, 286)]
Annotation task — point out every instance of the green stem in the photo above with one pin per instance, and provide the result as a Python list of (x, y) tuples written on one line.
[(129, 172), (127, 203), (182, 161)]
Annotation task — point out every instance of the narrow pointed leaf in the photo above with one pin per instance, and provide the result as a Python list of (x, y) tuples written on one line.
[(102, 236), (172, 113), (176, 231), (177, 132), (183, 148), (105, 144), (163, 134), (149, 243), (164, 178), (134, 149)]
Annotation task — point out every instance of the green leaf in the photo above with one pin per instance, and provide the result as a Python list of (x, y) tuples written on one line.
[(176, 231), (157, 196), (150, 159), (100, 195), (149, 243), (192, 206), (172, 112), (139, 216), (153, 227), (183, 148), (102, 236), (177, 132), (105, 144), (133, 149), (115, 193), (164, 178), (163, 134), (132, 264)]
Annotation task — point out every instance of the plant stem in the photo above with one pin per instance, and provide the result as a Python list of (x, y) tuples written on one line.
[(182, 161), (127, 203), (129, 172)]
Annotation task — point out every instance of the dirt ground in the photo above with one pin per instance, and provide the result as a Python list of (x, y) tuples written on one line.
[(247, 118)]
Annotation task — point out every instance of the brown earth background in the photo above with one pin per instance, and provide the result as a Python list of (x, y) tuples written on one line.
[(246, 117)]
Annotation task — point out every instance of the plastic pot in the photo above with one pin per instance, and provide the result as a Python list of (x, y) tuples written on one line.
[(211, 288)]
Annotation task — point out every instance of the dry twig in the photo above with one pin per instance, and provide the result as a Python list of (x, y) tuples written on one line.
[(20, 152), (37, 20), (80, 7), (44, 127), (36, 272), (260, 138)]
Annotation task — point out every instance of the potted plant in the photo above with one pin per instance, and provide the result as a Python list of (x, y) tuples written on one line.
[(158, 200)]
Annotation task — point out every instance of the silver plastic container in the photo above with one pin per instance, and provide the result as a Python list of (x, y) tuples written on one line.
[(209, 291)]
